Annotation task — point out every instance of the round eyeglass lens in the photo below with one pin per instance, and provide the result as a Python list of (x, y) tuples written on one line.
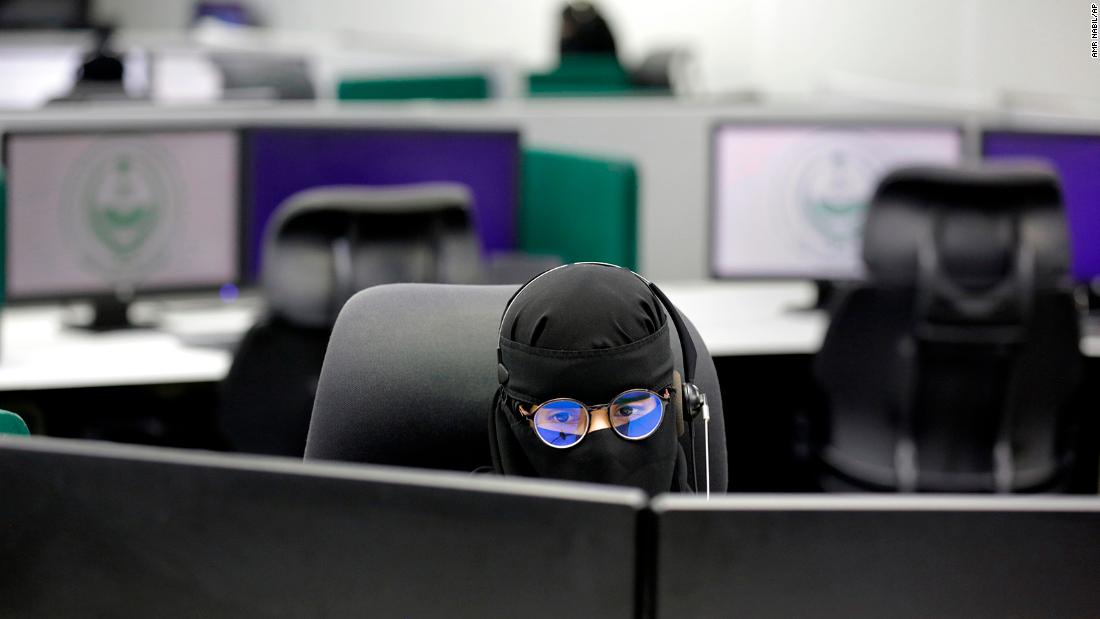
[(636, 414), (561, 423)]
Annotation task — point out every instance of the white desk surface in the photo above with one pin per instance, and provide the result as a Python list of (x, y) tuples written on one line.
[(1090, 345), (764, 318), (751, 318), (37, 352)]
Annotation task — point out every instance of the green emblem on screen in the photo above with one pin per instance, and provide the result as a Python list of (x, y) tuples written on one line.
[(120, 202), (834, 193), (124, 202)]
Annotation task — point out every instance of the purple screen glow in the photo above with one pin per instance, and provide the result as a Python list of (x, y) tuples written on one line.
[(283, 162), (1077, 159)]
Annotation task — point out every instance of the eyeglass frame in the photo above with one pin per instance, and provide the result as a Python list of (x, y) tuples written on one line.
[(530, 415)]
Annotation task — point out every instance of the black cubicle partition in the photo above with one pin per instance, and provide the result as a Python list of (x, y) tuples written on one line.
[(853, 556), (91, 529), (94, 529)]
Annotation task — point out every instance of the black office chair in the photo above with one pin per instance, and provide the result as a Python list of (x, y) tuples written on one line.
[(410, 373), (951, 368), (663, 70), (322, 246)]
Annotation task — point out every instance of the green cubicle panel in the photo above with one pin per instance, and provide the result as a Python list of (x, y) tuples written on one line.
[(414, 87), (580, 208), (10, 423), (582, 75)]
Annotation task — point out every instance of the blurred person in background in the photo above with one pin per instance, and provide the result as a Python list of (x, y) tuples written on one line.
[(585, 31)]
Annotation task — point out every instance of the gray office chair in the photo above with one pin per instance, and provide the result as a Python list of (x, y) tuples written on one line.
[(256, 75), (322, 246), (952, 368), (665, 70), (410, 373)]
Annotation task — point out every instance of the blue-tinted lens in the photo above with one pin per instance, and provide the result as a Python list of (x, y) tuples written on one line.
[(561, 423), (636, 414)]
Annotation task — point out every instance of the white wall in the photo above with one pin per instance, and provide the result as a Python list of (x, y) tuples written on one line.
[(965, 44), (793, 46)]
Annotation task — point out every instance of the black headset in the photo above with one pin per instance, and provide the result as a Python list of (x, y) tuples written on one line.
[(693, 400)]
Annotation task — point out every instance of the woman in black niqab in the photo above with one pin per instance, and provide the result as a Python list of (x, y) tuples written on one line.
[(587, 332)]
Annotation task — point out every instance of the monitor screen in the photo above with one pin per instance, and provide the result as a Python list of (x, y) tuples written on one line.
[(92, 214), (284, 161), (789, 200), (43, 14), (1077, 160)]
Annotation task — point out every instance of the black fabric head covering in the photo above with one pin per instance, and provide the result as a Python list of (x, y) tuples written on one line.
[(585, 31), (587, 332)]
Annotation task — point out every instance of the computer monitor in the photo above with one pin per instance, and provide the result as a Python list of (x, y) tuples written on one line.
[(107, 530), (105, 214), (283, 161), (1076, 157), (788, 199), (864, 556), (44, 14)]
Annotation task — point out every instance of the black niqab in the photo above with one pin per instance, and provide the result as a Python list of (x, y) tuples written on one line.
[(587, 332)]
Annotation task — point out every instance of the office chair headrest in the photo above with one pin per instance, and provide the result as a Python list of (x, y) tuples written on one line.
[(977, 237), (411, 370), (324, 244), (259, 75)]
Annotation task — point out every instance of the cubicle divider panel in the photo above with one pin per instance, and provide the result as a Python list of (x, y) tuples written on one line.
[(850, 557), (93, 529), (579, 207)]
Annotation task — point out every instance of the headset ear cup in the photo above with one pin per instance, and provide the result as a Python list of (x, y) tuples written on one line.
[(677, 402), (692, 400)]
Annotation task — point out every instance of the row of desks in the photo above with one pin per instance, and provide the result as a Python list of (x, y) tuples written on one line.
[(194, 341)]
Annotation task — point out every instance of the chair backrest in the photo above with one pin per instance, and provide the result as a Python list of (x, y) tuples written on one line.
[(264, 76), (10, 423), (410, 373), (322, 246), (663, 70), (267, 395), (951, 368), (579, 207)]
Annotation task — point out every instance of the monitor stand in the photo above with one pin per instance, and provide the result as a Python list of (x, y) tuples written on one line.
[(109, 313)]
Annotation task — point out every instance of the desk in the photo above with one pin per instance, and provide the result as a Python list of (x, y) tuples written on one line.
[(769, 318), (752, 318), (38, 352)]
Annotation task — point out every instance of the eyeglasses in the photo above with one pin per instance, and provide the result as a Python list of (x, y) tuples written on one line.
[(563, 422)]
